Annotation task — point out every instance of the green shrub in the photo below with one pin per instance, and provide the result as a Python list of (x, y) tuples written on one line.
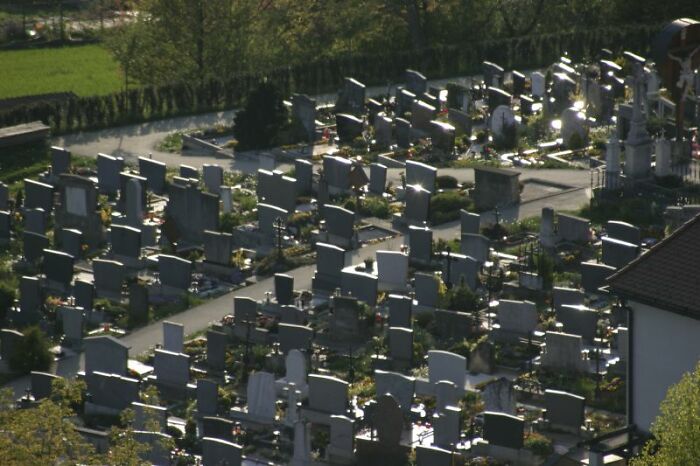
[(32, 352), (373, 206), (446, 182), (538, 444), (229, 221), (7, 298), (445, 207)]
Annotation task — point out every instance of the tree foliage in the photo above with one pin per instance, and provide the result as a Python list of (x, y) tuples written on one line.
[(33, 352), (677, 428), (259, 124)]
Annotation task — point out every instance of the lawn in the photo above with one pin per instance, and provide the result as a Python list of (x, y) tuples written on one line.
[(86, 70)]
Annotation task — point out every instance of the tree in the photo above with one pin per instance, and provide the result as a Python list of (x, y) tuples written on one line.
[(41, 434), (259, 123), (676, 430), (33, 352)]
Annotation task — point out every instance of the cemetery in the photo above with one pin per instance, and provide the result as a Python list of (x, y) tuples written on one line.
[(403, 280)]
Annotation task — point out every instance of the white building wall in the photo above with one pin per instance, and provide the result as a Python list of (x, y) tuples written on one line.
[(665, 346)]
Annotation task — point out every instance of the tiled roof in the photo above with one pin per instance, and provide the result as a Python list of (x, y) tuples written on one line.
[(668, 275)]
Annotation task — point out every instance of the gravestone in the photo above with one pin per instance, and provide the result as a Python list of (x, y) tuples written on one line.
[(42, 384), (565, 411), (261, 396), (303, 173), (341, 448), (492, 73), (145, 414), (382, 130), (171, 368), (134, 203), (562, 352), (213, 176), (58, 268), (482, 359), (108, 170), (84, 294), (362, 285), (244, 310), (618, 253), (328, 394), (35, 221), (73, 323), (60, 161), (109, 277), (593, 275), (105, 354), (475, 246), (446, 394), (623, 231), (401, 387), (415, 82), (175, 272), (330, 260), (573, 128), (267, 217), (421, 174), (345, 322), (304, 115), (434, 456), (462, 270), (31, 301), (426, 287), (4, 196), (470, 222), (518, 82), (417, 205), (111, 391), (192, 212), (138, 302), (377, 178), (351, 97), (502, 124), (187, 171), (392, 269), (447, 426), (216, 427), (453, 325), (571, 296), (349, 127), (226, 193), (504, 430), (548, 237), (276, 189), (578, 320), (292, 315), (499, 396), (420, 244), (207, 397), (38, 195), (401, 346), (216, 350), (399, 310), (284, 289), (34, 245), (336, 171), (293, 337), (78, 209), (216, 452), (421, 115), (403, 133), (295, 366), (218, 247), (5, 227), (497, 97), (538, 84), (495, 187), (404, 101), (443, 365), (10, 341), (518, 317), (126, 242), (154, 172), (173, 337), (71, 241), (340, 225)]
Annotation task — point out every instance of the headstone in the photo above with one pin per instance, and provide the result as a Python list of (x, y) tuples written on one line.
[(618, 253), (388, 420), (126, 242), (518, 82), (293, 337), (138, 302), (303, 173), (475, 246), (565, 411), (492, 73), (572, 228), (573, 128), (216, 350), (538, 84), (71, 241), (105, 354), (571, 296), (361, 285), (399, 311), (416, 82), (4, 196), (213, 176), (218, 247), (447, 426), (292, 315), (578, 320), (328, 394), (58, 268), (548, 237), (148, 415), (340, 224), (482, 359), (377, 178), (171, 368), (109, 277), (446, 394), (42, 384), (403, 132), (154, 172), (207, 397), (504, 430), (349, 126), (401, 387), (426, 287), (462, 270), (420, 243), (261, 396), (34, 245), (417, 205), (112, 391), (10, 341), (519, 317), (216, 452), (38, 195), (593, 275), (173, 337), (392, 268), (134, 203), (267, 217), (175, 272), (401, 345), (434, 456), (562, 352), (30, 301), (295, 365), (443, 365), (304, 113), (108, 170), (470, 222), (663, 151), (382, 130), (341, 446), (502, 124), (421, 174), (421, 115), (284, 289), (73, 322), (495, 187), (330, 261), (35, 220), (187, 171), (60, 161), (351, 98), (5, 227), (623, 231), (84, 294), (443, 136), (216, 427), (499, 396)]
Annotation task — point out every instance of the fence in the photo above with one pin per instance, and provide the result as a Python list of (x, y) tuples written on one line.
[(151, 102)]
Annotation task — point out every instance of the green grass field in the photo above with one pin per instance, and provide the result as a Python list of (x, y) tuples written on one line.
[(86, 70)]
